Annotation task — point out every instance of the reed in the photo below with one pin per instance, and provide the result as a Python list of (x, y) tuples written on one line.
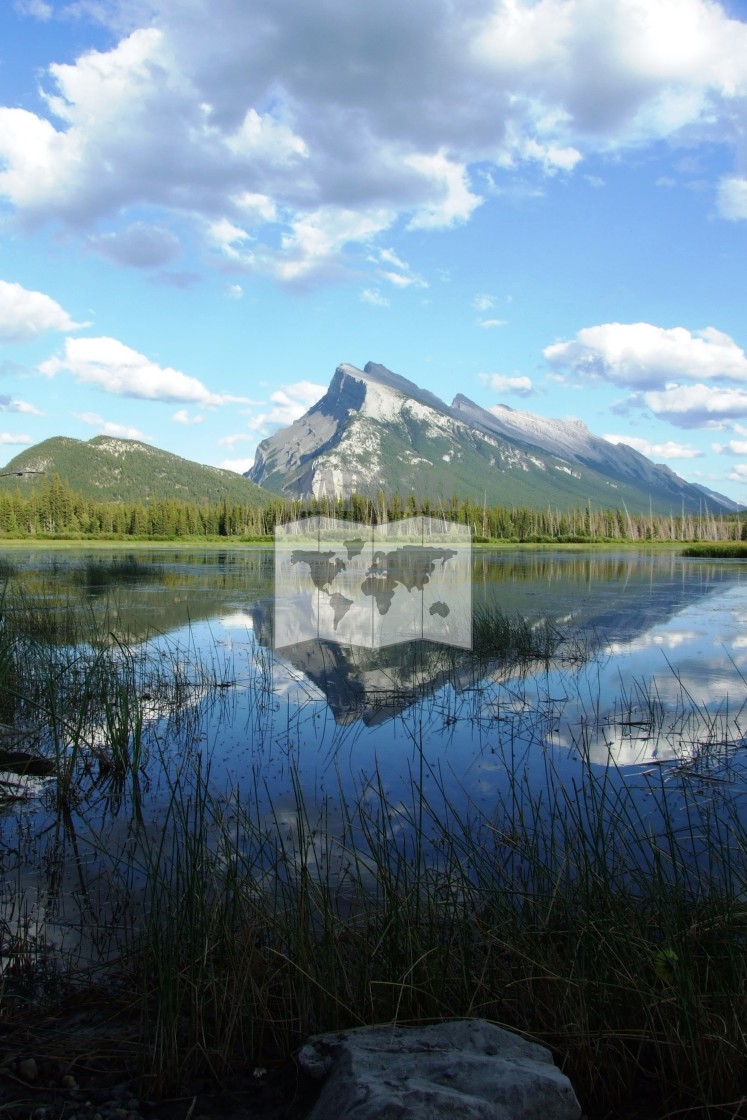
[(719, 550), (603, 917), (564, 916)]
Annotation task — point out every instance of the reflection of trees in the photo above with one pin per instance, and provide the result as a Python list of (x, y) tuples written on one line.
[(134, 595)]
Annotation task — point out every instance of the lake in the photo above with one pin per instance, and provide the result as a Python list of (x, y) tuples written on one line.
[(242, 831), (637, 676)]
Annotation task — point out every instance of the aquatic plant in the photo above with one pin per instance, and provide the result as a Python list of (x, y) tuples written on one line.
[(604, 916), (563, 917)]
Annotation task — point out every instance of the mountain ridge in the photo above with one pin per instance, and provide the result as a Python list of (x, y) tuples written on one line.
[(376, 430), (109, 468)]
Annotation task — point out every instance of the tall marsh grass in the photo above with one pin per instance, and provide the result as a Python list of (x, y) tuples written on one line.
[(608, 923), (616, 936)]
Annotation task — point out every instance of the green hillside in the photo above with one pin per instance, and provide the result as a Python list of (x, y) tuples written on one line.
[(124, 470)]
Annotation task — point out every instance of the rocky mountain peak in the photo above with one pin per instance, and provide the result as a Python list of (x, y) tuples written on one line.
[(376, 430)]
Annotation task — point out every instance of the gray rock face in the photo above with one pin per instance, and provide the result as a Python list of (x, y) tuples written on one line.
[(467, 1070), (374, 430)]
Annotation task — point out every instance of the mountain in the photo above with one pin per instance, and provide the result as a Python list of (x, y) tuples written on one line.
[(125, 470), (374, 430)]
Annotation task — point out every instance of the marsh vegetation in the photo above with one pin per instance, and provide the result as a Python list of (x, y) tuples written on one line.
[(233, 859)]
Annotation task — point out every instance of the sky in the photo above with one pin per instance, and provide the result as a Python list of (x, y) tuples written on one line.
[(208, 205)]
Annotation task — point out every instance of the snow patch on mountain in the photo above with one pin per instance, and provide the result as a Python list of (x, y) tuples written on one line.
[(374, 429)]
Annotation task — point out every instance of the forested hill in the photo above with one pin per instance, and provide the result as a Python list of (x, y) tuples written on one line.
[(125, 470)]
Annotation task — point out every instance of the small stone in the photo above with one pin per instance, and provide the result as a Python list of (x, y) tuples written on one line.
[(97, 1116), (133, 1104), (40, 1113), (28, 1069), (68, 1082)]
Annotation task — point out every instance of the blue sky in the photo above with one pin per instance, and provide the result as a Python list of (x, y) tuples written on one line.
[(207, 205)]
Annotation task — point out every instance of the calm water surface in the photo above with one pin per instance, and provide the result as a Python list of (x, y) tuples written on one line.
[(663, 630), (651, 679)]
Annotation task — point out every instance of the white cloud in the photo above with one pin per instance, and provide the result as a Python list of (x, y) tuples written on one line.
[(7, 404), (667, 450), (181, 416), (488, 324), (403, 277), (451, 201), (388, 256), (626, 69), (115, 368), (695, 406), (228, 238), (111, 428), (26, 314), (646, 356), (733, 447), (285, 405), (7, 437), (291, 401), (376, 299), (315, 241), (240, 466), (233, 291), (310, 132), (500, 383), (738, 473)]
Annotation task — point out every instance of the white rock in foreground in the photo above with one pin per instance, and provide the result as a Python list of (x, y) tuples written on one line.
[(472, 1070)]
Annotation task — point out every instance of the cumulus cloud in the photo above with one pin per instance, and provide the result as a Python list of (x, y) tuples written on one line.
[(452, 200), (668, 450), (181, 416), (488, 324), (139, 246), (7, 404), (240, 466), (645, 356), (233, 291), (9, 437), (500, 383), (111, 428), (733, 447), (310, 130), (738, 473), (288, 403), (695, 406), (284, 406), (25, 314), (115, 368)]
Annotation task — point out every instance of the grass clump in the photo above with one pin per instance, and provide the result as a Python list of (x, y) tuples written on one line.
[(497, 634), (607, 923), (718, 550), (560, 916)]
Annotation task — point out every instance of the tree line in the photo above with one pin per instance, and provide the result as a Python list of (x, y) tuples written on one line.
[(55, 510)]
